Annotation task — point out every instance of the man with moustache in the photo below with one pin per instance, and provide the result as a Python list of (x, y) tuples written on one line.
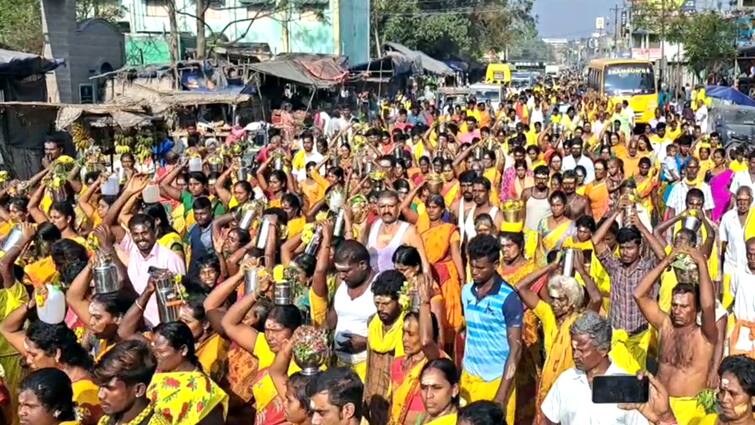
[(387, 233), (576, 205), (461, 207), (679, 331), (481, 196), (536, 207), (352, 307)]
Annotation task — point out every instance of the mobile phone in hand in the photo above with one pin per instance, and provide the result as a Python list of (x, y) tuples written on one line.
[(620, 389)]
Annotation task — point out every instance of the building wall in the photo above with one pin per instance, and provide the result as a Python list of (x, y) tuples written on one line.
[(304, 32), (104, 45)]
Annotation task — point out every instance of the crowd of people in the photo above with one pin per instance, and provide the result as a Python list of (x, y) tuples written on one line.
[(429, 263)]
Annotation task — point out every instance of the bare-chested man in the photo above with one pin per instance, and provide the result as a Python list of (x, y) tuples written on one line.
[(686, 348), (387, 233), (576, 205)]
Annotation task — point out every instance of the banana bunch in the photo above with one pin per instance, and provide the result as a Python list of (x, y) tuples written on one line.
[(122, 143), (81, 139), (143, 148), (3, 176)]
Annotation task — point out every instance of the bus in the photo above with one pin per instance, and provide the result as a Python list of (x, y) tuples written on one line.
[(498, 73), (626, 79)]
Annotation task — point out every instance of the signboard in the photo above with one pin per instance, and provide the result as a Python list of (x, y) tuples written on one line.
[(688, 6), (647, 54), (600, 23)]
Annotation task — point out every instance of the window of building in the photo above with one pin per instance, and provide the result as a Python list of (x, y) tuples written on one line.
[(156, 8), (748, 3)]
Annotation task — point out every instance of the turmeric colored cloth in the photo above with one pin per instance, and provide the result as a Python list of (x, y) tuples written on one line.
[(87, 402), (184, 398), (474, 388), (558, 358), (527, 372), (630, 352), (212, 356), (686, 410), (437, 241), (383, 345)]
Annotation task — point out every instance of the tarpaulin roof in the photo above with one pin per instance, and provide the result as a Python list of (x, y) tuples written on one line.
[(124, 116), (730, 95), (319, 71), (22, 65), (424, 61)]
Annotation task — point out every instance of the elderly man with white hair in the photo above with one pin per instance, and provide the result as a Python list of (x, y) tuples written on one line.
[(567, 301), (569, 401)]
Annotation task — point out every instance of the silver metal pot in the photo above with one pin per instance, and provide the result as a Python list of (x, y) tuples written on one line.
[(569, 262), (263, 233), (106, 278), (250, 281), (283, 293), (169, 298), (691, 223), (13, 239)]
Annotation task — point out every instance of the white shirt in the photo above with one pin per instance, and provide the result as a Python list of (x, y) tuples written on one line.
[(677, 199), (732, 232), (654, 122), (743, 290), (701, 118), (569, 402), (569, 164), (353, 317), (742, 178)]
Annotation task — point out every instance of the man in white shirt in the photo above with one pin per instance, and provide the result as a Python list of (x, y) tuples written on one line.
[(701, 118), (745, 178), (657, 119), (743, 290), (677, 199), (569, 401), (660, 142), (304, 156), (732, 231), (575, 158)]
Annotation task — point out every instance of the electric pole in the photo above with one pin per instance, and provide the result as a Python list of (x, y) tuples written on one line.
[(615, 28)]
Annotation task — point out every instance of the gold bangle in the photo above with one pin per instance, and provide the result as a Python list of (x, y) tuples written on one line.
[(139, 306)]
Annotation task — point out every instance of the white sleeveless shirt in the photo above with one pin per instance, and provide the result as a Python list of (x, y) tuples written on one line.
[(353, 317)]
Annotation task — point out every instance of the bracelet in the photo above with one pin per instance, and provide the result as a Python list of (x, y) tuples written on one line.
[(139, 306)]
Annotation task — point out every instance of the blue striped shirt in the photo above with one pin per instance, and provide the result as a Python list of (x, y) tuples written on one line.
[(487, 347)]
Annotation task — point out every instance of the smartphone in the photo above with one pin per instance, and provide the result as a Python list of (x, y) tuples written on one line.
[(620, 389)]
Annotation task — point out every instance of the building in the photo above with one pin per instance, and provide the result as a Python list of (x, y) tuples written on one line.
[(88, 48), (340, 27)]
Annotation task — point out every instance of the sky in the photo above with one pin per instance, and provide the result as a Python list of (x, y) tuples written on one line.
[(571, 18)]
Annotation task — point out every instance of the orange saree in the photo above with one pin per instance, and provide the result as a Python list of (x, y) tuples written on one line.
[(437, 241)]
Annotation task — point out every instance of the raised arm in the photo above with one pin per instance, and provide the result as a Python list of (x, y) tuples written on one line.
[(409, 214), (595, 297), (279, 369), (224, 194), (655, 245), (166, 184), (133, 320), (707, 297), (12, 328), (529, 297), (76, 295), (642, 293), (219, 295), (243, 335), (429, 346), (600, 234), (661, 228), (35, 211)]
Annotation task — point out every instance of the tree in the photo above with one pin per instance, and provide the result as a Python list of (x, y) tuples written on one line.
[(103, 9), (709, 42), (447, 28), (21, 25), (207, 38)]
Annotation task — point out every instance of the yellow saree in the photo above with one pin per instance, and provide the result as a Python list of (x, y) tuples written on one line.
[(185, 397)]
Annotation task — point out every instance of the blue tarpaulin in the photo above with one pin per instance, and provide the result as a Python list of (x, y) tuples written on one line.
[(729, 95)]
